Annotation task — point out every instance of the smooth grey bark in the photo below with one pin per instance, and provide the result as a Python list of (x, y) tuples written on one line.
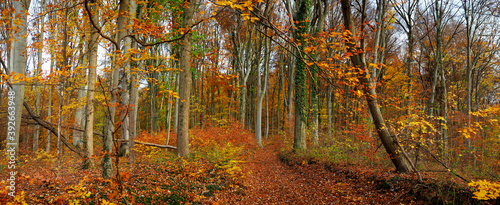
[(79, 119), (186, 81), (18, 66), (261, 92)]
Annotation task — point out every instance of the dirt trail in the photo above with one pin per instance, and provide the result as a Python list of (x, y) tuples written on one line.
[(272, 182)]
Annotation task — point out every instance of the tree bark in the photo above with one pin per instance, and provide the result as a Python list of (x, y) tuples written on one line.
[(303, 15), (186, 81), (261, 92), (18, 66), (89, 125)]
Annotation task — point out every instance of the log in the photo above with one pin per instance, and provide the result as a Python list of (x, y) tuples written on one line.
[(156, 145)]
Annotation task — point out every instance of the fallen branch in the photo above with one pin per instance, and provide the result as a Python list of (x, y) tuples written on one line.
[(47, 126), (156, 145)]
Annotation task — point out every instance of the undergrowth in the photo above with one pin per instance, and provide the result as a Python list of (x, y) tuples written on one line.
[(211, 173)]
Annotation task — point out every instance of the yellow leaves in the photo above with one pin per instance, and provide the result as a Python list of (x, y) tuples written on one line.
[(247, 16), (485, 190), (104, 202), (19, 199), (359, 93)]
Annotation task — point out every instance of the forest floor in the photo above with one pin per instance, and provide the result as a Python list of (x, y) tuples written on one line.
[(273, 182), (225, 167), (276, 177)]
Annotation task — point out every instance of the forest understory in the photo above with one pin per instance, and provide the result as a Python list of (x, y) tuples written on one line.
[(227, 167)]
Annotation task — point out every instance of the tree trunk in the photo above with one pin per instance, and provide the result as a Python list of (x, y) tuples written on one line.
[(89, 125), (18, 66), (329, 109), (185, 80), (261, 92), (438, 57), (303, 14), (49, 114), (125, 145), (36, 137), (79, 118), (402, 164), (107, 169), (177, 103)]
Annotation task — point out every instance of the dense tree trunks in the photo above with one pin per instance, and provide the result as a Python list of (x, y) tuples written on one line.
[(402, 164), (186, 81), (243, 50), (17, 65), (125, 146), (318, 19)]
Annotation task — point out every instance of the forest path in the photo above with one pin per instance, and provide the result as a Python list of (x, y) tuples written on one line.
[(273, 182)]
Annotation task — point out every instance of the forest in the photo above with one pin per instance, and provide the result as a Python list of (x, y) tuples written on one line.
[(250, 102)]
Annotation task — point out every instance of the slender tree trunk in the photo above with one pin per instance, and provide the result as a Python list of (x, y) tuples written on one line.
[(267, 116), (60, 117), (185, 79), (41, 36), (445, 116), (261, 92), (79, 118), (49, 114), (291, 85), (125, 144), (329, 109), (438, 57), (177, 103), (89, 125), (107, 170)]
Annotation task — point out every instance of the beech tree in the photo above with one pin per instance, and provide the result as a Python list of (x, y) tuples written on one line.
[(185, 80), (17, 65)]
